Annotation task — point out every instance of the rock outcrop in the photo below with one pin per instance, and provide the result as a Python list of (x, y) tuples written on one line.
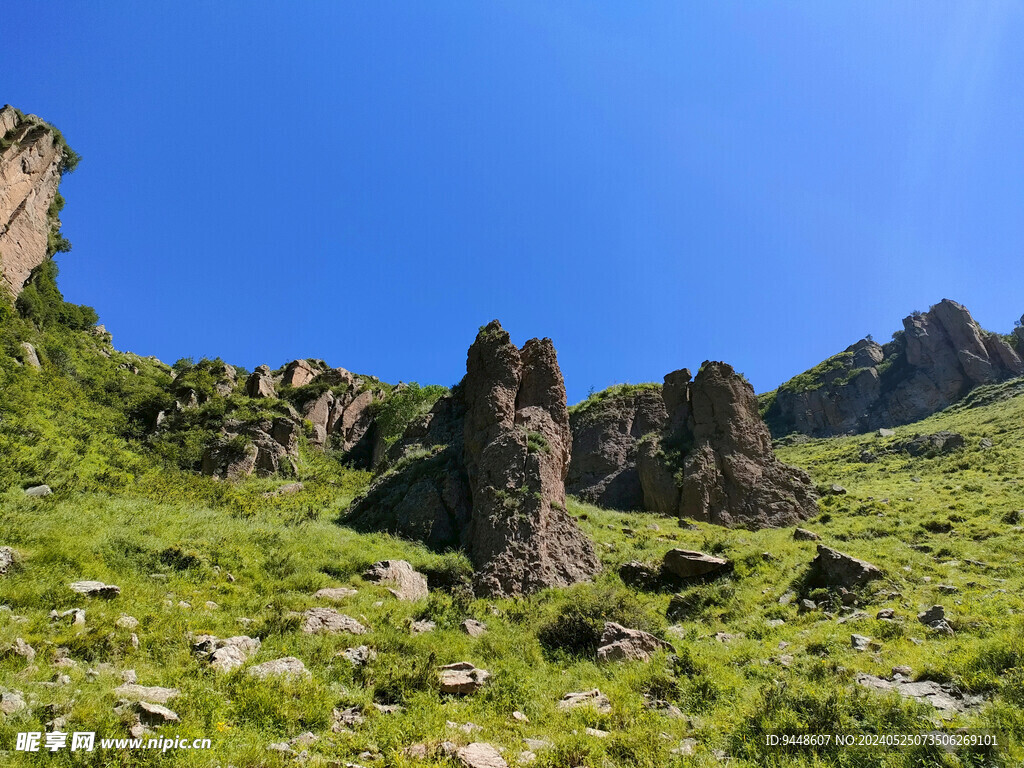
[(485, 470), (713, 461), (264, 447), (32, 156), (605, 434), (937, 358)]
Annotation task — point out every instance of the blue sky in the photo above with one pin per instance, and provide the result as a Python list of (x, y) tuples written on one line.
[(649, 184)]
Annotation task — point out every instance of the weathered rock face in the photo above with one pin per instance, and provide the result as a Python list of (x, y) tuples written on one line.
[(714, 460), (494, 482), (603, 469), (938, 358), (516, 444), (264, 447), (31, 156)]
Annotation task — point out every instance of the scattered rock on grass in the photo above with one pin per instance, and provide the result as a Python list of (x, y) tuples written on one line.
[(935, 619), (945, 698), (403, 581), (833, 568), (321, 620), (480, 755), (593, 698), (95, 589), (7, 558), (38, 491), (134, 692), (462, 678), (473, 628), (802, 534), (289, 666), (621, 644), (335, 593), (225, 655), (686, 564), (360, 656)]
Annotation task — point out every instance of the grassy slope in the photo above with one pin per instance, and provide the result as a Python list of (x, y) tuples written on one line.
[(119, 516)]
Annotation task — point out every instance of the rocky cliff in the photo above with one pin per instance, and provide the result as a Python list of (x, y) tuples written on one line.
[(605, 433), (713, 460), (937, 358), (486, 468), (32, 158)]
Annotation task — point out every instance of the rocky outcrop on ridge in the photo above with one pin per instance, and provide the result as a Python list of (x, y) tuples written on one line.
[(32, 157), (605, 434), (493, 480), (937, 358), (264, 447), (713, 462)]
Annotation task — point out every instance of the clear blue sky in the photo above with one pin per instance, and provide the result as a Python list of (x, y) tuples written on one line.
[(649, 184)]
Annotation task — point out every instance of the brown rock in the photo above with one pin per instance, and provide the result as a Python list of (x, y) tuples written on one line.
[(146, 693), (834, 569), (260, 383), (405, 582), (462, 678), (516, 444), (473, 628), (299, 373), (621, 644), (480, 755), (605, 434), (30, 169), (686, 564), (593, 698)]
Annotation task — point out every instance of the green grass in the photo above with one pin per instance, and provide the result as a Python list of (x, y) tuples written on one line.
[(121, 513)]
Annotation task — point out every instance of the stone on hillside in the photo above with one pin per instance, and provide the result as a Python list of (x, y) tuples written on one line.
[(859, 642), (402, 580), (29, 356), (126, 622), (95, 589), (260, 383), (473, 628), (944, 698), (883, 432), (151, 714), (834, 569), (359, 656), (935, 444), (935, 619), (837, 490), (335, 593), (74, 616), (640, 575), (7, 559), (227, 654), (730, 475), (38, 491), (420, 627), (687, 564), (480, 755), (285, 490), (346, 718), (289, 666), (264, 447), (298, 373), (802, 534), (605, 433), (154, 693), (593, 698), (621, 644), (462, 678), (20, 648), (319, 620), (12, 702)]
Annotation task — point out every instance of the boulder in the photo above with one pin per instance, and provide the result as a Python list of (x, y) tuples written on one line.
[(473, 628), (802, 534), (462, 678), (265, 447), (686, 564), (621, 644), (713, 461), (326, 620), (944, 698), (832, 568), (7, 559), (136, 692), (38, 491), (935, 444), (335, 593), (227, 654), (151, 714), (605, 433), (480, 755), (29, 356), (95, 589), (260, 383), (402, 580), (593, 698), (289, 666), (298, 373), (12, 702), (935, 619), (359, 656)]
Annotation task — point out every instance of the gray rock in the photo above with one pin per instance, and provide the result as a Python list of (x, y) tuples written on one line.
[(403, 581), (943, 697), (289, 666), (154, 693), (935, 619), (227, 654), (473, 628), (359, 656), (335, 593), (480, 755), (95, 589), (7, 559), (593, 698), (835, 569), (38, 491), (802, 534), (320, 620), (859, 642), (687, 564), (419, 627), (12, 702)]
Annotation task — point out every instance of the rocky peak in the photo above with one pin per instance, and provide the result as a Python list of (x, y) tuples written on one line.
[(32, 156), (939, 357), (714, 461)]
